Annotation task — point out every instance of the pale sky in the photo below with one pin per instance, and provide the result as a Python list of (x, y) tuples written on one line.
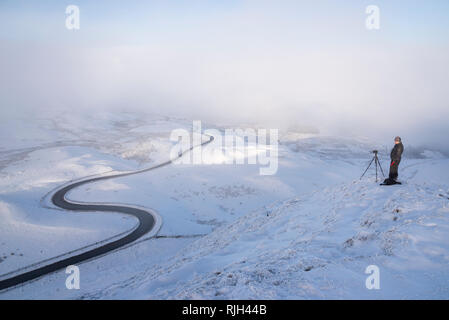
[(281, 63)]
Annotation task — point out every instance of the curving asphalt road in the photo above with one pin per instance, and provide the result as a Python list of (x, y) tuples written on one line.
[(146, 224)]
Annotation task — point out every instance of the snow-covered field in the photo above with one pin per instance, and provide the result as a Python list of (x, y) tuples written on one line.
[(307, 232)]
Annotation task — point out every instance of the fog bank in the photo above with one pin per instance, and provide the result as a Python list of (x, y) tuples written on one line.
[(281, 65)]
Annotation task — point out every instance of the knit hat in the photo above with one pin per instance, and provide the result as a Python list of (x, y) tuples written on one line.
[(397, 139)]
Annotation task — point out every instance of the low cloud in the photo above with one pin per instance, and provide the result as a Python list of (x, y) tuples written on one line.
[(249, 66)]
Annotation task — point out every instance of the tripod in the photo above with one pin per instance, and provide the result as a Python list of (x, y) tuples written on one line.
[(377, 163)]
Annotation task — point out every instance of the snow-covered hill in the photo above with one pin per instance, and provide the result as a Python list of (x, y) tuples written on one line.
[(318, 245), (308, 232)]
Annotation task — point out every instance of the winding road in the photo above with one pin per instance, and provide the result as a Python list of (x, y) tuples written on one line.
[(146, 224)]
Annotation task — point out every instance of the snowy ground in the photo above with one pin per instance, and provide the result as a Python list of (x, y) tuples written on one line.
[(228, 233)]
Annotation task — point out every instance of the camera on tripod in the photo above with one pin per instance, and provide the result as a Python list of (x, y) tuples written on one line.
[(376, 163)]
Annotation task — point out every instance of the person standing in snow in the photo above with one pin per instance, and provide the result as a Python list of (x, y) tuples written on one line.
[(395, 156)]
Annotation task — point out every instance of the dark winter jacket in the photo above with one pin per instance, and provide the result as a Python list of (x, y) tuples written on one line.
[(396, 152)]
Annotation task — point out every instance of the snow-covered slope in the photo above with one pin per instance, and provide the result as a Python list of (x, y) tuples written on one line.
[(318, 245), (307, 232)]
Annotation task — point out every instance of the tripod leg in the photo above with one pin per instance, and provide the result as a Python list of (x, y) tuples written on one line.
[(376, 168), (380, 166), (367, 168)]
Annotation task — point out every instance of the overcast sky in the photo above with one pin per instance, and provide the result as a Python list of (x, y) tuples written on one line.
[(281, 63)]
